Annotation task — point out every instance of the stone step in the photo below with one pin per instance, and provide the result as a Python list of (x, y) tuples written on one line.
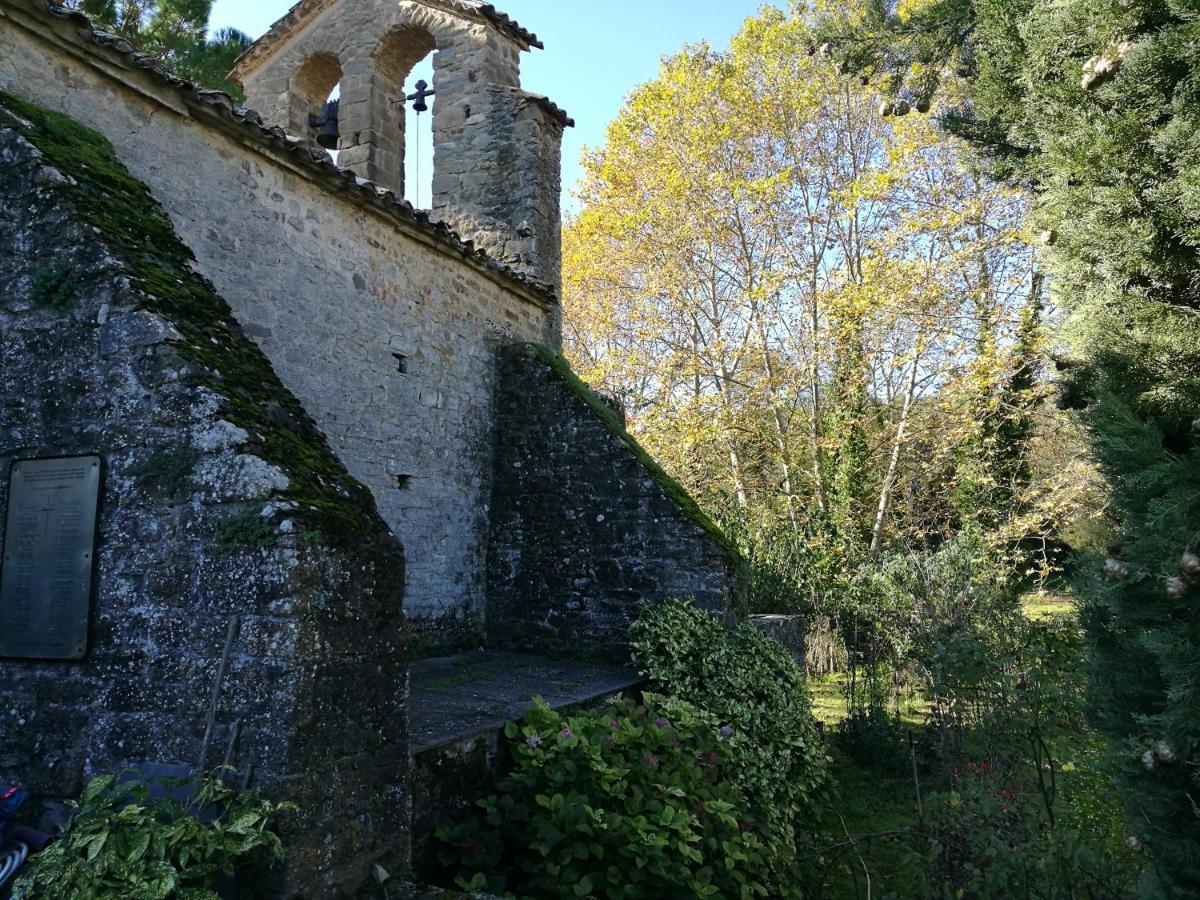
[(459, 707)]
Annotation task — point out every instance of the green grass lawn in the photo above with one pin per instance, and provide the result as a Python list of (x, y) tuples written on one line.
[(829, 701), (872, 851), (1044, 604)]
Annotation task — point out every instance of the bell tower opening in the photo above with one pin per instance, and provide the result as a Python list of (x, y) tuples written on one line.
[(314, 107), (404, 76), (418, 132), (431, 110)]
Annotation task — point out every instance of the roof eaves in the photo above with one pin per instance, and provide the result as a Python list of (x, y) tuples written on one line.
[(302, 11)]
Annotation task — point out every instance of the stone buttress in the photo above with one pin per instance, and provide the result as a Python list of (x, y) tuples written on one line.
[(246, 606)]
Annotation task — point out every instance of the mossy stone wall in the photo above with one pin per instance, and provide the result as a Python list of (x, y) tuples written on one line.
[(339, 298), (224, 511), (585, 526)]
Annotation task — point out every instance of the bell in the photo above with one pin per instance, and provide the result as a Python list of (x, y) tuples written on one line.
[(327, 126), (418, 99)]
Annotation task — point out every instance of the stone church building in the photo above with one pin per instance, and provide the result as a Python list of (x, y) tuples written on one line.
[(273, 442)]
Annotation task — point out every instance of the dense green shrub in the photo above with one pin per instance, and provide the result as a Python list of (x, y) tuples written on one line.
[(1015, 802), (750, 683), (635, 802), (788, 569), (994, 838), (122, 843), (947, 622), (1094, 107)]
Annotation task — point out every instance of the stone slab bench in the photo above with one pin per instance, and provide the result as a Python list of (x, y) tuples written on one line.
[(459, 707)]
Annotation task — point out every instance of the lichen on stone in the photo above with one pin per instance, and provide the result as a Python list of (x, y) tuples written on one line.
[(202, 327)]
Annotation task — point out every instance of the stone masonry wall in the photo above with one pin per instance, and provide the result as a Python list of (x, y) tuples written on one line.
[(338, 296), (223, 512), (585, 527), (509, 204)]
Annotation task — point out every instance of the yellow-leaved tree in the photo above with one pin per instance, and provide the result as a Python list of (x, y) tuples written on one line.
[(810, 310)]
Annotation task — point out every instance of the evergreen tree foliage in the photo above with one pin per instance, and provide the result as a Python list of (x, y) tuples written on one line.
[(1094, 105), (848, 449), (175, 32), (993, 468)]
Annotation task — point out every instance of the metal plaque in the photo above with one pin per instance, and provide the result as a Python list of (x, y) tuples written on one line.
[(49, 556)]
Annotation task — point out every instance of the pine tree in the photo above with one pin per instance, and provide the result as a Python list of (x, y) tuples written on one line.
[(1094, 105), (843, 427), (209, 61), (175, 32), (977, 493)]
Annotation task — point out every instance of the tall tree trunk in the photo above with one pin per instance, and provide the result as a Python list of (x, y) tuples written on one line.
[(724, 377), (739, 483), (889, 480), (814, 422)]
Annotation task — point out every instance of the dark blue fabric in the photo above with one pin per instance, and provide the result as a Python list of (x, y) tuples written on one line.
[(11, 800)]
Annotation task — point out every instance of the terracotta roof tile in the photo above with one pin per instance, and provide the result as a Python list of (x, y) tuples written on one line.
[(304, 10)]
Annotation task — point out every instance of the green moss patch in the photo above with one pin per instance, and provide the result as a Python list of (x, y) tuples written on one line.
[(168, 471), (55, 287), (245, 530), (136, 229), (604, 412)]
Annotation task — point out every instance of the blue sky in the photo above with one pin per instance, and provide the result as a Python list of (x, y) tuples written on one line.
[(596, 52)]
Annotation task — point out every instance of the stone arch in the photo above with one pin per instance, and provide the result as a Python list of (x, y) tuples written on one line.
[(392, 62), (309, 88)]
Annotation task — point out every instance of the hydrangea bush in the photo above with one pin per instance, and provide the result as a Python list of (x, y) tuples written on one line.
[(636, 801), (751, 684), (707, 788), (123, 842)]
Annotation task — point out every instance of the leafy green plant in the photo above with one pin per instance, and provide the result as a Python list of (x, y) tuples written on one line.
[(638, 801), (122, 843), (752, 685), (872, 732), (994, 839)]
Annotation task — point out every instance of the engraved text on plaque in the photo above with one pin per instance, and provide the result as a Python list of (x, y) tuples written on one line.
[(48, 558)]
